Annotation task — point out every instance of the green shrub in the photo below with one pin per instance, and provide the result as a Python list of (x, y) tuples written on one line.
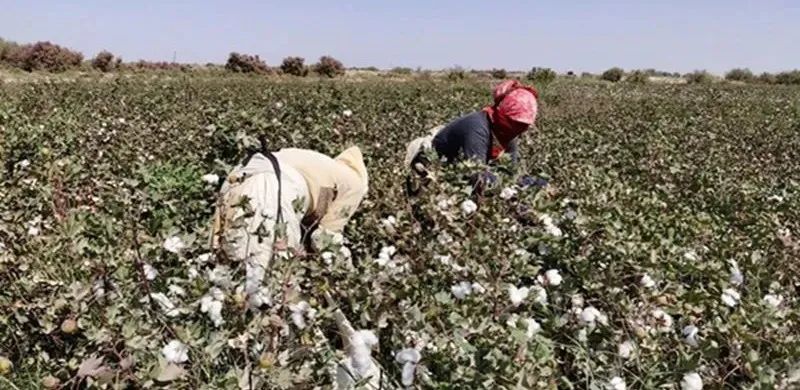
[(44, 56), (767, 78), (738, 74), (541, 75), (790, 78), (499, 73), (329, 66), (104, 61), (699, 77), (294, 66), (456, 73), (614, 74), (399, 70), (6, 50), (244, 63), (637, 77)]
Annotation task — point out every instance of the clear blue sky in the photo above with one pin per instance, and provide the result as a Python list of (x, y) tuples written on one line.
[(677, 35)]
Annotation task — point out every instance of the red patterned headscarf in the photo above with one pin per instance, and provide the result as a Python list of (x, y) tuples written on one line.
[(514, 110)]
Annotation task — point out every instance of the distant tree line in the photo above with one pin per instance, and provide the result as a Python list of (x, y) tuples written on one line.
[(49, 57)]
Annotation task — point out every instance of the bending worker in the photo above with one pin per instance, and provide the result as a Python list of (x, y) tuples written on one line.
[(278, 200), (482, 135)]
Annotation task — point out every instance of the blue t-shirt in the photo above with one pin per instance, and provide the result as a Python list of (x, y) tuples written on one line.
[(469, 136)]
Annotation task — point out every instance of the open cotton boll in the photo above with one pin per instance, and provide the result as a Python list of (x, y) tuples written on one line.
[(300, 311), (689, 333), (517, 295), (327, 257), (174, 244), (663, 320), (468, 207), (551, 278), (539, 295), (461, 290), (508, 193), (550, 227), (409, 358), (477, 288), (532, 327), (730, 297), (166, 304), (772, 300), (361, 345), (616, 383), (691, 381), (211, 304), (736, 277), (150, 273), (211, 178), (590, 316), (176, 352), (647, 282), (626, 349)]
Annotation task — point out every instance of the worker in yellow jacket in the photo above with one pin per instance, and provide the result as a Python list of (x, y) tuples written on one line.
[(279, 199)]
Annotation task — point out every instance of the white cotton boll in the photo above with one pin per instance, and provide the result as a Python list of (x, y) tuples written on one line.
[(626, 349), (461, 290), (691, 256), (193, 273), (736, 277), (616, 383), (361, 345), (213, 308), (689, 333), (175, 352), (278, 105), (508, 193), (775, 198), (772, 300), (444, 239), (327, 257), (300, 311), (552, 278), (204, 258), (577, 301), (550, 227), (517, 295), (211, 178), (166, 304), (347, 113), (176, 290), (33, 231), (468, 207), (389, 221), (647, 282), (24, 164), (385, 256), (477, 288), (692, 381), (220, 276), (539, 295), (532, 327), (409, 358), (174, 244), (663, 320), (730, 297), (589, 316)]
